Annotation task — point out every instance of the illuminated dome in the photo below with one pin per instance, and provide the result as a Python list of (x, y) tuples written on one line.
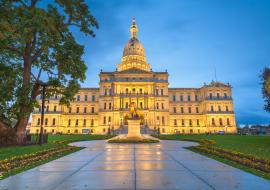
[(133, 47), (133, 55)]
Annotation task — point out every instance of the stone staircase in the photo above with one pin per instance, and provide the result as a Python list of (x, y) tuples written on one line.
[(124, 130)]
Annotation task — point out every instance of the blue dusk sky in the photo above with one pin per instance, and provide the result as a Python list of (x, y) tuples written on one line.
[(189, 38)]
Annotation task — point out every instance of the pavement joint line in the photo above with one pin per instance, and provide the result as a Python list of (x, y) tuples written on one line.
[(193, 173), (62, 181), (134, 165)]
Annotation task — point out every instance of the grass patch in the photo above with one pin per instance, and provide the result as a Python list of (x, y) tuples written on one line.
[(54, 142), (249, 153), (253, 145)]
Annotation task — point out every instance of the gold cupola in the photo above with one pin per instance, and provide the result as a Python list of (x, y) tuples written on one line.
[(133, 55)]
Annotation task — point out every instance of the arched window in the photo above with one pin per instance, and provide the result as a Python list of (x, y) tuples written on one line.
[(104, 120), (38, 123), (53, 121), (213, 122), (228, 121), (69, 122), (220, 122), (77, 122)]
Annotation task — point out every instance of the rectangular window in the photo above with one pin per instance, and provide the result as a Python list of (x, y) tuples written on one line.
[(197, 110), (225, 95), (104, 120), (188, 98), (189, 110), (161, 91), (105, 105), (181, 98), (93, 109), (182, 110), (46, 121), (157, 92), (93, 98), (211, 96), (110, 105), (54, 108), (183, 122), (218, 95), (196, 98), (84, 122), (141, 105), (69, 110), (126, 104), (157, 106), (92, 122), (163, 120), (69, 122), (85, 109), (77, 122), (78, 110), (198, 122), (85, 98), (219, 108), (78, 98), (212, 108), (227, 108), (175, 122), (190, 122), (162, 106), (174, 98), (53, 121), (174, 110)]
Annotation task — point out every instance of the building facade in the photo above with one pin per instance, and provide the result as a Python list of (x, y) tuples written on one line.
[(208, 109)]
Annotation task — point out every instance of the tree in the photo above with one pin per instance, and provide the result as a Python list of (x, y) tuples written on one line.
[(266, 88), (36, 42)]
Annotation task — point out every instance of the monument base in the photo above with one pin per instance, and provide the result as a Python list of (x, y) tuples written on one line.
[(134, 129)]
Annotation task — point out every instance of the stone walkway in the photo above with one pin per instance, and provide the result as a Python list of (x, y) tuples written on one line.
[(164, 165)]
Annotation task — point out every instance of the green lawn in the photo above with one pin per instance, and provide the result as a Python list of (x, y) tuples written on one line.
[(255, 145), (54, 141), (7, 152)]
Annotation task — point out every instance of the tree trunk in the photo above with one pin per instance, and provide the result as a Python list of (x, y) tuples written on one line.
[(20, 129)]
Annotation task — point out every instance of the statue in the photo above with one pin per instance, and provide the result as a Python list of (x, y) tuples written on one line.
[(133, 111)]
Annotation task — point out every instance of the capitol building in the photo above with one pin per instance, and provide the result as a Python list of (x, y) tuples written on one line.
[(208, 109)]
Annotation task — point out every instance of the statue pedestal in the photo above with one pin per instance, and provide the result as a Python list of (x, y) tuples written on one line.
[(134, 129)]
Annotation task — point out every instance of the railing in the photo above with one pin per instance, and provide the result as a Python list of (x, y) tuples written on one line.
[(220, 112), (218, 98)]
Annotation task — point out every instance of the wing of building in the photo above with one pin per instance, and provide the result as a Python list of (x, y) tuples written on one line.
[(208, 109)]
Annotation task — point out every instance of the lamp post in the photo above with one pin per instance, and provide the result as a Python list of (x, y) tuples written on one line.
[(109, 123), (42, 110)]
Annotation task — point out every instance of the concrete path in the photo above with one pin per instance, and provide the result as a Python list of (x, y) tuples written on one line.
[(164, 165)]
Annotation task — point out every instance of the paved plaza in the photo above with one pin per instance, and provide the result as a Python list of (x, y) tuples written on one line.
[(164, 165)]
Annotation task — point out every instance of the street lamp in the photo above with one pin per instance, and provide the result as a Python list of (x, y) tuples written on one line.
[(109, 123), (42, 110)]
